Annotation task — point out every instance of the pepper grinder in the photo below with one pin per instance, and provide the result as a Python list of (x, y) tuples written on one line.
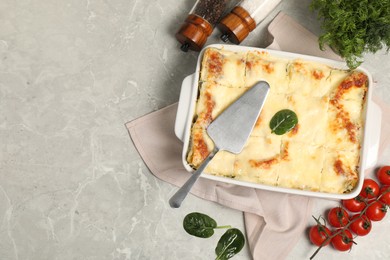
[(244, 18), (200, 23)]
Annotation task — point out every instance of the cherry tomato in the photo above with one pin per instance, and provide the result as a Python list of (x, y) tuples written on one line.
[(318, 234), (342, 241), (354, 205), (385, 195), (338, 217), (370, 189), (360, 225), (376, 211), (384, 175)]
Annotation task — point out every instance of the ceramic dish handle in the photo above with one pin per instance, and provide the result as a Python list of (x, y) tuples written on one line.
[(184, 106), (373, 135)]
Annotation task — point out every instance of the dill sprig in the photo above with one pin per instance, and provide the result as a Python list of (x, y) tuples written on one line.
[(354, 27)]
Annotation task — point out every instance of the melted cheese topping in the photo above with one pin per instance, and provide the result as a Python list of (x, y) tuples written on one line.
[(213, 99), (308, 78), (340, 171), (222, 164), (345, 123), (273, 104), (258, 160), (223, 67), (321, 153), (302, 169), (262, 66), (200, 147), (312, 113)]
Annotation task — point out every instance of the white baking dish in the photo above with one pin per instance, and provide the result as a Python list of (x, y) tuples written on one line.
[(372, 116)]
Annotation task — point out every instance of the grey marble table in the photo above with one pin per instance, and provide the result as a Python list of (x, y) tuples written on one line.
[(72, 186)]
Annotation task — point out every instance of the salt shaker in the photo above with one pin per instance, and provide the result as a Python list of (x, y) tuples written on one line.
[(244, 18), (200, 23)]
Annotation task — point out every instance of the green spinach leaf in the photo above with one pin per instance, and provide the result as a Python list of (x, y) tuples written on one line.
[(283, 121), (200, 225), (230, 244)]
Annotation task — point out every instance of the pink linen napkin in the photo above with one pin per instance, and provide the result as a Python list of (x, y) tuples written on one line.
[(271, 219)]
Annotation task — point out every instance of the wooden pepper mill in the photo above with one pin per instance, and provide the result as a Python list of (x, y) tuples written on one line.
[(193, 33), (200, 23)]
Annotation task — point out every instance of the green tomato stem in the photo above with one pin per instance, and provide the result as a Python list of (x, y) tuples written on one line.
[(316, 252), (341, 230)]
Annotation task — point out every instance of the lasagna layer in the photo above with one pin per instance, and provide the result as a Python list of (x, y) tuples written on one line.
[(223, 67), (321, 153)]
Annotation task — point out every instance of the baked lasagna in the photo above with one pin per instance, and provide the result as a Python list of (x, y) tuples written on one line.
[(321, 153)]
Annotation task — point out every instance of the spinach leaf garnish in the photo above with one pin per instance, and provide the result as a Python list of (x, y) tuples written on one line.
[(200, 225), (283, 121), (230, 244)]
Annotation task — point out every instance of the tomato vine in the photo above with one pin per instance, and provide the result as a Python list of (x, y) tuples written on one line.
[(352, 216)]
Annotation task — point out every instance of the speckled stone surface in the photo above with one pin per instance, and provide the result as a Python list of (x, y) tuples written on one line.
[(72, 185)]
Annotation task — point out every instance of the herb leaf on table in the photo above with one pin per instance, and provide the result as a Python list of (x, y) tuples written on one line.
[(200, 225), (230, 244)]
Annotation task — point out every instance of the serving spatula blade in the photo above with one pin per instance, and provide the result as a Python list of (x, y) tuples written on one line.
[(229, 131)]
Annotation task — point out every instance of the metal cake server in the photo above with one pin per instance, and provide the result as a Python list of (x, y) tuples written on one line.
[(229, 131)]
